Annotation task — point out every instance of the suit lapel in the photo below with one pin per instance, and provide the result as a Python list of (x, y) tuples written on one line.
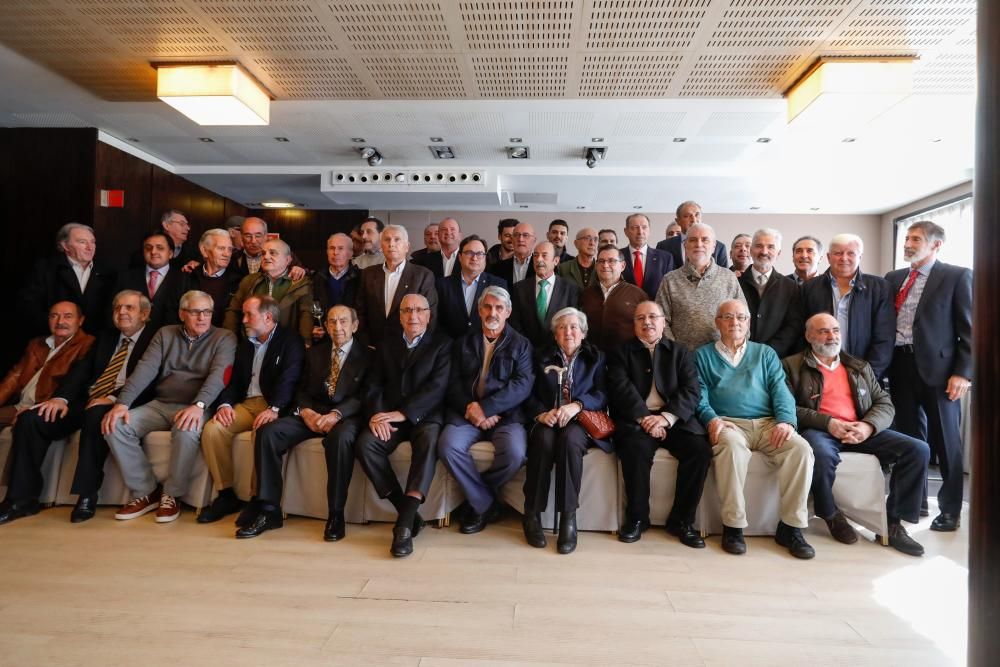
[(934, 281)]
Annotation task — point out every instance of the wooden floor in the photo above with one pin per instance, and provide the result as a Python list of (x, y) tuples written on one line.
[(137, 593)]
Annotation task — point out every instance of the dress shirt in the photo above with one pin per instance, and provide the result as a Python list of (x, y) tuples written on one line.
[(259, 350), (908, 311), (253, 263), (412, 344), (123, 373), (82, 272), (217, 274), (733, 358), (469, 292), (757, 275), (162, 271), (488, 347), (642, 253), (28, 392), (831, 366), (842, 304), (449, 262), (608, 290), (391, 283), (521, 268), (654, 401)]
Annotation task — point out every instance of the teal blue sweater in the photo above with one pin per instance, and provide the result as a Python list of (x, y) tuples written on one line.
[(754, 389)]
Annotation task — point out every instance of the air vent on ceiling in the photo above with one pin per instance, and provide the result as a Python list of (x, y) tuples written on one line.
[(387, 177)]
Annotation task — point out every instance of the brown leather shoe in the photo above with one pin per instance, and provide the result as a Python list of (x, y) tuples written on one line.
[(169, 510), (841, 530)]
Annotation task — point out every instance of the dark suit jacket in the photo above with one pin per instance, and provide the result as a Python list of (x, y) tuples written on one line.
[(871, 333), (370, 299), (610, 321), (434, 262), (672, 246), (524, 315), (942, 325), (165, 302), (76, 385), (279, 371), (775, 316), (505, 269), (311, 392), (223, 287), (452, 316), (587, 387), (509, 378), (52, 280), (631, 374), (321, 288), (658, 264), (189, 253), (411, 381)]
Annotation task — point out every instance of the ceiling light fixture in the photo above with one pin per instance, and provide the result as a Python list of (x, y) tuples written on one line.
[(848, 140), (437, 140), (206, 140), (593, 154), (277, 204), (515, 140), (518, 153), (442, 152), (597, 140), (213, 93), (372, 155), (358, 140), (680, 140), (283, 140), (763, 140), (849, 89)]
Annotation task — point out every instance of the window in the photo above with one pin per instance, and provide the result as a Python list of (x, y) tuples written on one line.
[(956, 219)]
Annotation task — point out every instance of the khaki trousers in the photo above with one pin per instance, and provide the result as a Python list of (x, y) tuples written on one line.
[(217, 444), (731, 458)]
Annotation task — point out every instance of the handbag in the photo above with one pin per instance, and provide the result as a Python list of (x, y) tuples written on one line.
[(596, 423)]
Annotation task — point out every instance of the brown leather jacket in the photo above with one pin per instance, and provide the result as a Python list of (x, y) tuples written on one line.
[(52, 374)]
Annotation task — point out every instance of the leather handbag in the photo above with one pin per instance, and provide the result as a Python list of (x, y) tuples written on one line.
[(597, 423)]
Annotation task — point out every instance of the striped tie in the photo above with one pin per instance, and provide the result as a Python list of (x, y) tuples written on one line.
[(106, 383)]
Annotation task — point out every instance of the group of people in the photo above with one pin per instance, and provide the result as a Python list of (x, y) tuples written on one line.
[(544, 354)]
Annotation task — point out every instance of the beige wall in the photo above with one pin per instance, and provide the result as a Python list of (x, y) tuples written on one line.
[(927, 202), (484, 223)]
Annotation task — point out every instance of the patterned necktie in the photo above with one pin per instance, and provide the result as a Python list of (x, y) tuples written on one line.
[(761, 284), (903, 293), (331, 383), (106, 382), (154, 276), (637, 268), (542, 301)]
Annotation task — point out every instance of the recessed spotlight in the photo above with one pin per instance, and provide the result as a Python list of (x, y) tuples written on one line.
[(597, 140), (277, 204), (580, 208), (518, 152), (763, 140), (814, 208), (359, 140), (593, 154), (207, 140), (638, 208), (680, 140), (132, 139), (283, 140), (849, 140), (515, 140), (436, 140), (442, 152), (755, 208), (933, 141)]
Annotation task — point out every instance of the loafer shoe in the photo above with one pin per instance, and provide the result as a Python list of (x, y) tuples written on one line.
[(335, 528), (84, 509), (261, 523), (533, 533)]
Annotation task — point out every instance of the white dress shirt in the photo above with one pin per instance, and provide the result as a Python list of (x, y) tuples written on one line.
[(391, 283)]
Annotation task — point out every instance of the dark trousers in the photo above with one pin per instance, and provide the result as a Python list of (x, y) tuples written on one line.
[(92, 454), (31, 438), (636, 449), (276, 438), (907, 456), (373, 455), (925, 413), (563, 447)]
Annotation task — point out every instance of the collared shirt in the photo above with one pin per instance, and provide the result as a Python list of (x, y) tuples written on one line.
[(81, 272), (732, 357), (488, 348), (654, 401), (469, 292), (608, 290), (550, 284), (277, 287), (391, 283), (344, 351), (799, 280), (217, 274), (253, 263), (337, 275), (643, 252), (162, 271), (757, 275), (412, 344), (192, 340), (830, 367), (908, 310), (28, 392), (123, 373), (260, 349), (178, 249), (521, 268), (842, 304), (449, 262)]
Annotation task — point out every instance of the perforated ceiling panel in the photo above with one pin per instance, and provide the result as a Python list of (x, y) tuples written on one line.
[(648, 123), (178, 31), (520, 76), (646, 24), (518, 25), (305, 78), (475, 124), (903, 24), (726, 75), (948, 73), (393, 26), (267, 26), (776, 24), (628, 75), (417, 77)]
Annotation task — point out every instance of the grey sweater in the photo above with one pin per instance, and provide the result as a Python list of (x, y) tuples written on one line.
[(689, 301), (184, 371)]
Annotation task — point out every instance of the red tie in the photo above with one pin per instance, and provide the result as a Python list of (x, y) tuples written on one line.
[(637, 268), (153, 276), (903, 293)]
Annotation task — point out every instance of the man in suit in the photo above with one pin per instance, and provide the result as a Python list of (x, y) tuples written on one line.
[(158, 279), (610, 304), (931, 368), (582, 269), (644, 266), (72, 275), (687, 214), (370, 253), (254, 235), (773, 299), (443, 262), (518, 266), (339, 283), (557, 235), (217, 276), (807, 252), (39, 419), (654, 392), (383, 287), (862, 303), (491, 376), (405, 398), (328, 405), (459, 292), (739, 253), (175, 226), (267, 368), (607, 236), (505, 248), (431, 242), (842, 407), (537, 300)]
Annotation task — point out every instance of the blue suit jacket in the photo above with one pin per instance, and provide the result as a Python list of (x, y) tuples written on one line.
[(509, 378), (672, 246), (658, 264), (452, 316)]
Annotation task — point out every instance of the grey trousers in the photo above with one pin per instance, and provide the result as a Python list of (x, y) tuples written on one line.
[(126, 446)]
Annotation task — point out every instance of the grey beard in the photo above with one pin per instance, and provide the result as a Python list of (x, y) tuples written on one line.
[(826, 349)]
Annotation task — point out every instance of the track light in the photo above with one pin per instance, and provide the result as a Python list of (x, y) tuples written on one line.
[(372, 155), (593, 154)]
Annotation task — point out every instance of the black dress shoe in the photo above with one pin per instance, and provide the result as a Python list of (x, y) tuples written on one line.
[(335, 528), (261, 523), (631, 530), (686, 533), (533, 532), (791, 538), (732, 541), (9, 511), (924, 511), (402, 542), (84, 510), (566, 542), (246, 516), (945, 522), (223, 505), (840, 529), (473, 522), (901, 541)]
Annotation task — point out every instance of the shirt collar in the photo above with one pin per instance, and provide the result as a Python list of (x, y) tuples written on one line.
[(757, 274), (341, 274), (642, 250), (395, 272), (925, 270), (412, 344), (76, 264), (51, 342), (345, 348), (162, 270), (217, 274), (721, 347), (833, 278), (134, 337)]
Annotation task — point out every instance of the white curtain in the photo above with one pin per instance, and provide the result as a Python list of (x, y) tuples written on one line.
[(956, 219)]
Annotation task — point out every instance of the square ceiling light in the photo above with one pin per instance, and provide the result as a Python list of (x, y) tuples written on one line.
[(213, 94)]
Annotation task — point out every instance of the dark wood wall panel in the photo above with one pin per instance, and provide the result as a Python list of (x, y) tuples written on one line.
[(120, 230), (306, 231)]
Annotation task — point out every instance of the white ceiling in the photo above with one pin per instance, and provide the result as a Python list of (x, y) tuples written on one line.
[(557, 74)]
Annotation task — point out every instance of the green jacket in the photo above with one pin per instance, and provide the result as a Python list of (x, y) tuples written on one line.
[(295, 304)]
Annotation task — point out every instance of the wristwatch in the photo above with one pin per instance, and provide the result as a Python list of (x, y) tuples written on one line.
[(273, 408), (200, 404)]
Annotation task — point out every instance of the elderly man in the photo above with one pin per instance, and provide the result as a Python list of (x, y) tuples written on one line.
[(371, 254), (39, 420), (746, 407), (842, 408), (739, 253), (294, 296), (188, 363), (931, 367), (691, 294), (610, 304), (537, 300), (557, 235), (861, 302), (72, 275), (405, 400), (459, 292), (383, 287), (328, 405), (519, 265), (267, 367), (175, 224), (581, 269), (254, 235), (505, 248), (158, 279), (807, 252), (644, 266), (673, 229), (443, 262), (687, 214), (217, 276), (431, 241), (339, 283), (491, 376), (654, 393), (773, 300)]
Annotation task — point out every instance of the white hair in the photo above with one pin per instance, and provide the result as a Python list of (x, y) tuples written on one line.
[(847, 239), (221, 233), (398, 228), (580, 316), (768, 231)]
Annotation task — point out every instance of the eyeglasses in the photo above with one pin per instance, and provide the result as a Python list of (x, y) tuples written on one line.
[(647, 318), (410, 311), (523, 235), (609, 260), (474, 254), (586, 238), (739, 317), (204, 312)]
